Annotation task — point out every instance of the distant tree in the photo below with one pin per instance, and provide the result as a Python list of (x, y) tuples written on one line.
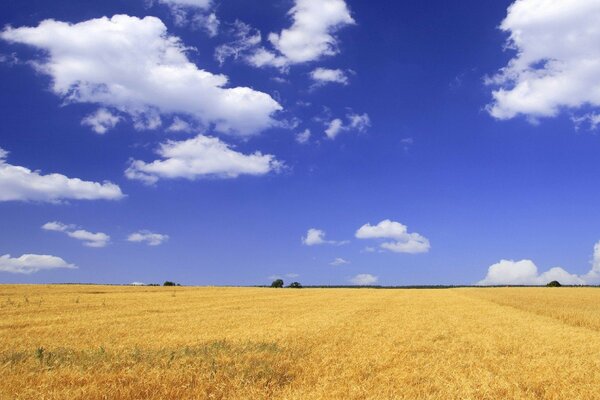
[(295, 285), (554, 284), (277, 283), (169, 283)]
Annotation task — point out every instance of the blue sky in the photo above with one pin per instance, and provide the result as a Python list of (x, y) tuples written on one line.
[(449, 143)]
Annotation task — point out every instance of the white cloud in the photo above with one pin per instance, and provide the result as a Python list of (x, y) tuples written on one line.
[(334, 127), (316, 237), (150, 238), (310, 37), (101, 121), (592, 120), (557, 60), (179, 125), (136, 67), (194, 13), (525, 272), (199, 157), (203, 4), (593, 276), (208, 22), (356, 122), (89, 239), (30, 263), (339, 261), (245, 38), (402, 241), (22, 184), (359, 122), (303, 137), (364, 279), (323, 76)]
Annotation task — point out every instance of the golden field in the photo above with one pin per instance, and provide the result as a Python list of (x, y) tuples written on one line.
[(105, 342)]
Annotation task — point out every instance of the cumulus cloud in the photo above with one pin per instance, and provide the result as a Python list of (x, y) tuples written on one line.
[(557, 60), (199, 157), (303, 137), (364, 279), (339, 261), (89, 239), (150, 238), (355, 122), (323, 76), (316, 237), (22, 184), (401, 240), (311, 36), (101, 121), (30, 263), (593, 276), (525, 272), (134, 66)]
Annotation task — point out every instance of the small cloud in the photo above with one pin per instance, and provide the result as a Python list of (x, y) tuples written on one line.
[(316, 237), (355, 122), (150, 238), (101, 121), (303, 137), (364, 279), (339, 261), (402, 241), (89, 239), (323, 76), (179, 125), (334, 127), (591, 120)]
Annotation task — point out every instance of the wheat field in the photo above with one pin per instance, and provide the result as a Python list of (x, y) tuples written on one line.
[(106, 342)]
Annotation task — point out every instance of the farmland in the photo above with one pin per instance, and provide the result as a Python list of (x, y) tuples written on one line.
[(96, 342)]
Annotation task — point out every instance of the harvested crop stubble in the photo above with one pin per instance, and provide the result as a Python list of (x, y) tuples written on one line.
[(97, 342)]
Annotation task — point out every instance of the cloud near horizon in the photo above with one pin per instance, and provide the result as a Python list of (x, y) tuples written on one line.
[(364, 279), (30, 263), (525, 272)]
